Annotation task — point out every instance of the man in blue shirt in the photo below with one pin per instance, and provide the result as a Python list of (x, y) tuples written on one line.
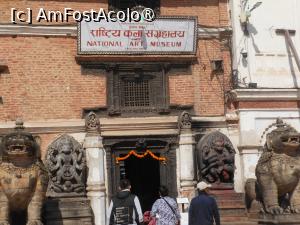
[(203, 208)]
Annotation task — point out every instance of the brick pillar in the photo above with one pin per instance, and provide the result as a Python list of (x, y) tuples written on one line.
[(96, 177)]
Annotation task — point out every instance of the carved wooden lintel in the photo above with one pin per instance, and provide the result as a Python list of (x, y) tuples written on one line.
[(133, 142)]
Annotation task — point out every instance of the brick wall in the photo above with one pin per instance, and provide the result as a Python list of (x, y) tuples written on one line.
[(209, 12), (45, 82)]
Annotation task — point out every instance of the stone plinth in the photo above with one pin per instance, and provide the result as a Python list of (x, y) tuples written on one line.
[(68, 211), (284, 219)]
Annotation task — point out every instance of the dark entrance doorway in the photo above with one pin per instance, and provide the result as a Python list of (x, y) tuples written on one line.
[(146, 173), (144, 176)]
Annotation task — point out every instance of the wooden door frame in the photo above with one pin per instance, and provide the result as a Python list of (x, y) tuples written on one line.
[(168, 176)]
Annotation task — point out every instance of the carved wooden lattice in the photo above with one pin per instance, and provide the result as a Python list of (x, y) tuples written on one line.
[(136, 94), (134, 90)]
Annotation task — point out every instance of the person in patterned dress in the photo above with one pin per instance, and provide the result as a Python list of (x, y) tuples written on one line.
[(165, 209)]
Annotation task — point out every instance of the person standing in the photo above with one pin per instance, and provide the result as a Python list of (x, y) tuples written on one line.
[(165, 209), (203, 209), (125, 207)]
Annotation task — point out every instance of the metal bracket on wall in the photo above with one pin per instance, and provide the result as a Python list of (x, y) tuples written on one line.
[(287, 34)]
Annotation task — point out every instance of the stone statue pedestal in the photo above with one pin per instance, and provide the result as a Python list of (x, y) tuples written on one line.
[(68, 211), (284, 219)]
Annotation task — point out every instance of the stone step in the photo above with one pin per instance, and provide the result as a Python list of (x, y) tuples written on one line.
[(232, 214), (236, 220), (231, 196), (230, 200), (239, 223), (231, 204), (232, 207), (235, 217), (224, 192), (233, 211)]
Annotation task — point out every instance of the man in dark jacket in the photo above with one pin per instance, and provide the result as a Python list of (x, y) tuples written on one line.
[(125, 207), (203, 208)]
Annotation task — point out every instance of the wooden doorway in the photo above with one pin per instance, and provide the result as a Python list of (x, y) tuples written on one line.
[(145, 174)]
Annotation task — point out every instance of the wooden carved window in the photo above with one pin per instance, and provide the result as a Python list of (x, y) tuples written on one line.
[(117, 5), (137, 91)]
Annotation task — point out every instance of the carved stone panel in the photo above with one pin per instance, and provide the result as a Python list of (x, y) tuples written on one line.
[(185, 121), (66, 163), (215, 159), (92, 123)]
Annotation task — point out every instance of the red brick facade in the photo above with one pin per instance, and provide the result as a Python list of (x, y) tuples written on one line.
[(45, 82)]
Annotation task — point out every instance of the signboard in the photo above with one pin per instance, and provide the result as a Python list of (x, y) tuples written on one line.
[(164, 35), (182, 200)]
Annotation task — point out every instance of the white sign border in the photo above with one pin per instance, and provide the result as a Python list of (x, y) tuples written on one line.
[(195, 42)]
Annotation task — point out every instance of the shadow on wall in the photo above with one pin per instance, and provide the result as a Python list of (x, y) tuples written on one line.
[(290, 58)]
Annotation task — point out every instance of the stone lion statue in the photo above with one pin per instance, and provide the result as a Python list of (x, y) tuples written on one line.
[(277, 188), (23, 178)]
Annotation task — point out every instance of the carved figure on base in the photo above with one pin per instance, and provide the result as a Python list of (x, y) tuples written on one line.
[(68, 204), (277, 187), (66, 163), (23, 177), (215, 158)]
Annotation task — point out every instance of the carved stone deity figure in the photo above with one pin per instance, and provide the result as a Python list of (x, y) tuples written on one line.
[(66, 163), (215, 158), (92, 123), (23, 178), (185, 121), (277, 188)]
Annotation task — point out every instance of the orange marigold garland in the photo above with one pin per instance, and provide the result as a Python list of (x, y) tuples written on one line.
[(140, 156)]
